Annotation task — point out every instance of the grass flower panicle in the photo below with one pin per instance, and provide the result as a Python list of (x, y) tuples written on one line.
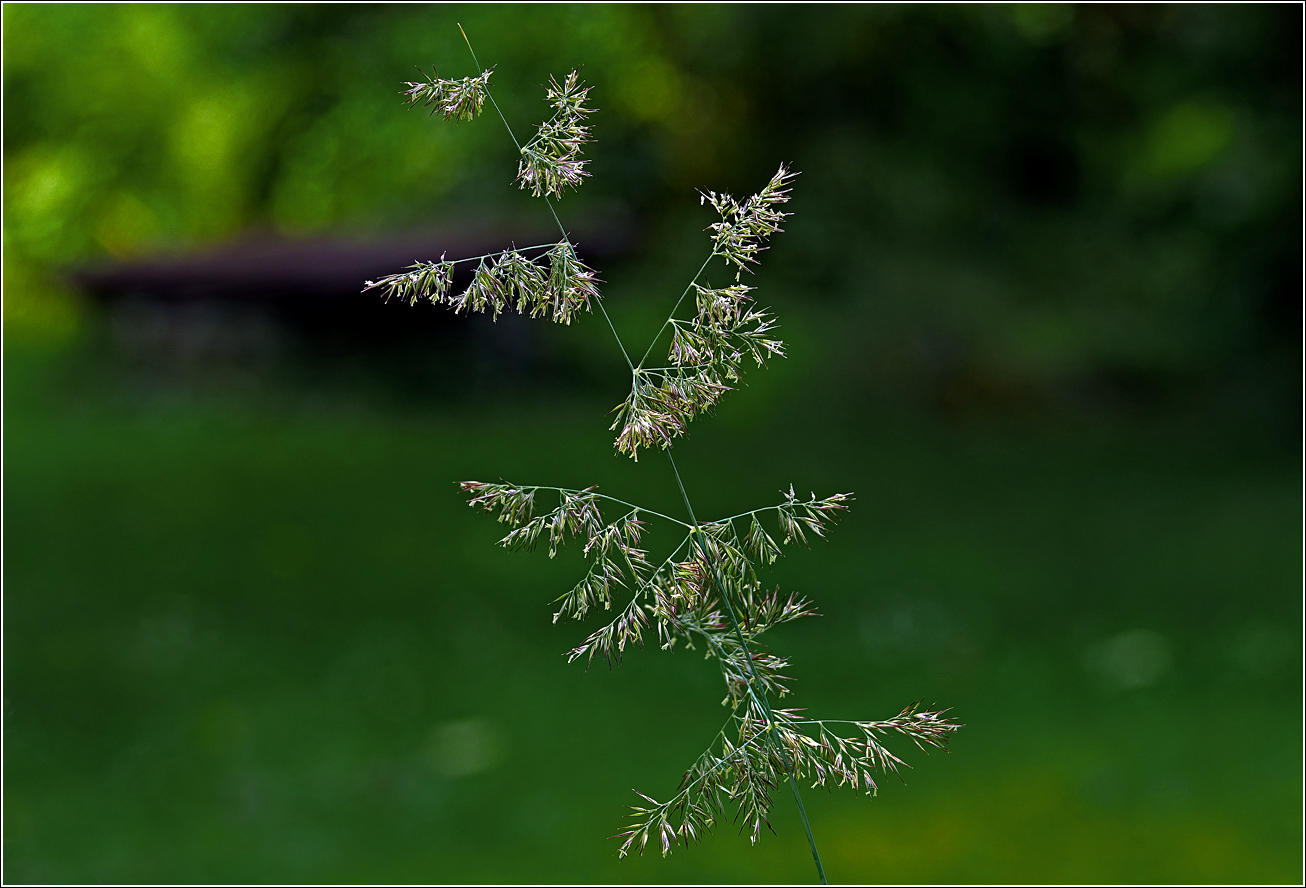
[(708, 590)]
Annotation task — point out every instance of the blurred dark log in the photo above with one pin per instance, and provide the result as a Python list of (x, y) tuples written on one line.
[(249, 301)]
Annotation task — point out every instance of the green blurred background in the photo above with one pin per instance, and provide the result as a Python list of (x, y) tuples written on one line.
[(1042, 292)]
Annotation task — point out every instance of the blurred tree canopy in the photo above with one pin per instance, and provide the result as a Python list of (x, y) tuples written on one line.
[(997, 203)]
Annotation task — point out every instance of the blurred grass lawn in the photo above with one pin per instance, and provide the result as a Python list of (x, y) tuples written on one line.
[(245, 644)]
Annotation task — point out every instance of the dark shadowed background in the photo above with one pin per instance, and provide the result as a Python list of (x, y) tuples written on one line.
[(1042, 292)]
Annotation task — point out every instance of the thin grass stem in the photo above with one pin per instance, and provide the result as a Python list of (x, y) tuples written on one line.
[(676, 307), (611, 499), (500, 253)]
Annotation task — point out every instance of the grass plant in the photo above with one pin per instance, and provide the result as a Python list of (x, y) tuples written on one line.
[(708, 590)]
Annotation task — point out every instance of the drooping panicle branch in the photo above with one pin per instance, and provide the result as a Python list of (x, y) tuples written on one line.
[(503, 280), (614, 554), (576, 515)]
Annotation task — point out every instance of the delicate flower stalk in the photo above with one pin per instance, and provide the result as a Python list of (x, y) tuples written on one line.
[(708, 590)]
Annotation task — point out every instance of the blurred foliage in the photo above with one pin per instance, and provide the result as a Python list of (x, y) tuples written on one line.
[(1000, 205)]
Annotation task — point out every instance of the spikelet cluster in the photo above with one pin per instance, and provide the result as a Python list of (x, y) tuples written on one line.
[(707, 351), (705, 361), (505, 280), (744, 227), (455, 99), (551, 160)]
